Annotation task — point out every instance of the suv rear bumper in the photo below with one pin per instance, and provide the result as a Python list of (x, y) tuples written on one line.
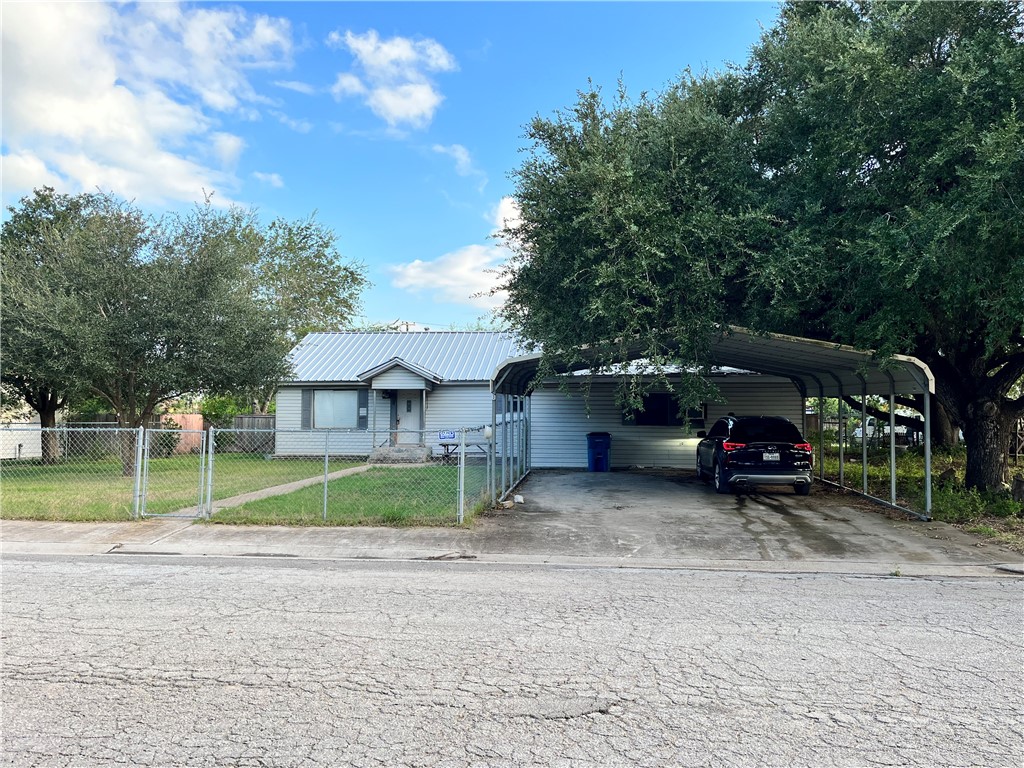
[(796, 477)]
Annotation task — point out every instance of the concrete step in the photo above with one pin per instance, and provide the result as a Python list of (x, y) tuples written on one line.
[(400, 454)]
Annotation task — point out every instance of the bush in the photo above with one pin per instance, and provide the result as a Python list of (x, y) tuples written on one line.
[(957, 505), (166, 442)]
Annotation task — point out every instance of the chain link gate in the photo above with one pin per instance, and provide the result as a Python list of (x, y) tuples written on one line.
[(172, 473)]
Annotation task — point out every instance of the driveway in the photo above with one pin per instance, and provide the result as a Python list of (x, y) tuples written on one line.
[(670, 515)]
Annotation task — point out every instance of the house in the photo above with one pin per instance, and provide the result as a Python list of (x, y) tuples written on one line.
[(363, 391), (357, 392)]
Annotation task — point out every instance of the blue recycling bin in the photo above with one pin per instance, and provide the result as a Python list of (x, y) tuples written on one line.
[(599, 450)]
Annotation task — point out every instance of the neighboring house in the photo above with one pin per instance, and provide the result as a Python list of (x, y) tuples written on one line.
[(360, 391), (387, 389)]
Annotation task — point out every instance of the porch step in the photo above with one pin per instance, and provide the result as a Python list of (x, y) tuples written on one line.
[(400, 454)]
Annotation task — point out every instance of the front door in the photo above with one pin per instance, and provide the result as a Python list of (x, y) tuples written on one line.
[(409, 417)]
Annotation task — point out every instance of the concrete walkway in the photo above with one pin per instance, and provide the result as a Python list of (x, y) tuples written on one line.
[(620, 519)]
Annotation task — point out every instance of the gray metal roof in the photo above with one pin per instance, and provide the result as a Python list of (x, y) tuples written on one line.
[(452, 355), (819, 367)]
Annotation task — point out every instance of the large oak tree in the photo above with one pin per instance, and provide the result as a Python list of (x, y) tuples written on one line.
[(858, 181)]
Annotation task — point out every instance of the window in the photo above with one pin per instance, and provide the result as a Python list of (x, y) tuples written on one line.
[(662, 410), (335, 408)]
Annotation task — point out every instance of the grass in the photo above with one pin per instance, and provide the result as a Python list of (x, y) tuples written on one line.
[(96, 489), (993, 516), (384, 496)]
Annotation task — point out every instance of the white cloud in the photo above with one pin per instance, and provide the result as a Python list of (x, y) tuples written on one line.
[(459, 277), (297, 86), (466, 275), (227, 148), (124, 97), (299, 126), (506, 214), (347, 84), (463, 162), (394, 78), (272, 179)]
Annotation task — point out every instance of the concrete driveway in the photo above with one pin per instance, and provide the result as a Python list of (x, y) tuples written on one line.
[(671, 515)]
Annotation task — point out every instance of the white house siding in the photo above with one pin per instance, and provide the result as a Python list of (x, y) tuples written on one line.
[(448, 407), (560, 424), (399, 378), (451, 407), (292, 440), (21, 441)]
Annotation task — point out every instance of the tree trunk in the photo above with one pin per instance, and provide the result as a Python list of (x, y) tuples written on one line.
[(126, 445), (48, 439), (945, 434), (987, 434)]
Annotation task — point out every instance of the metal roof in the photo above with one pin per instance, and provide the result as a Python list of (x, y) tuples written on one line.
[(818, 367), (452, 355)]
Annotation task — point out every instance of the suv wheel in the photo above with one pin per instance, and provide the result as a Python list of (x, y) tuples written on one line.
[(721, 484), (802, 489)]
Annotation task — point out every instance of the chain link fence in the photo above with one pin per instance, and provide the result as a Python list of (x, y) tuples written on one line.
[(69, 473), (347, 476), (262, 476)]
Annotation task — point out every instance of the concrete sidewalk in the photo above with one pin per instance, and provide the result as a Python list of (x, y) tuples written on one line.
[(620, 519)]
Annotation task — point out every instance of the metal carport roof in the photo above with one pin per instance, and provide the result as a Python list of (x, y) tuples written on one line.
[(817, 367)]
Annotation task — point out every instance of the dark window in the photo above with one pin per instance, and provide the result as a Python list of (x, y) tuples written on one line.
[(721, 429), (662, 410), (766, 430)]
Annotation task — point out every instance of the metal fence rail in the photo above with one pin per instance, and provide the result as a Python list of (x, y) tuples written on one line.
[(336, 476)]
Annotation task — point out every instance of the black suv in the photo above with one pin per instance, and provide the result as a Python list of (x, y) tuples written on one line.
[(757, 450)]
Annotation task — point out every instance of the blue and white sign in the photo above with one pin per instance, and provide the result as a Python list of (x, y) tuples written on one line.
[(446, 434)]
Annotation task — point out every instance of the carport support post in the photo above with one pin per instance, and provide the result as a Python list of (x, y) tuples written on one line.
[(927, 453), (864, 434), (892, 441), (492, 450), (821, 431), (842, 436), (504, 440)]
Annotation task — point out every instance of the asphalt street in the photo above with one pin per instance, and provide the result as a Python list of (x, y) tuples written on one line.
[(156, 661)]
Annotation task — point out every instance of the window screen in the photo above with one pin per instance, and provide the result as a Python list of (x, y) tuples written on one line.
[(335, 408)]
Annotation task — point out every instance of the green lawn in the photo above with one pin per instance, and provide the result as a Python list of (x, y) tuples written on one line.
[(95, 489), (392, 496)]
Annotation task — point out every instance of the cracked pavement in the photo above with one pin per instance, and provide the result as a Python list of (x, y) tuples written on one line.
[(150, 661)]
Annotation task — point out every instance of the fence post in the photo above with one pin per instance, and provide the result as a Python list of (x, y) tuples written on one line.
[(211, 446), (462, 476), (327, 451), (137, 486)]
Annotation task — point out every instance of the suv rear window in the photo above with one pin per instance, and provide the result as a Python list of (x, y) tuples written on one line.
[(765, 430)]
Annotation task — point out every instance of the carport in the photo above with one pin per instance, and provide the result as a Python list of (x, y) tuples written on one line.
[(816, 368)]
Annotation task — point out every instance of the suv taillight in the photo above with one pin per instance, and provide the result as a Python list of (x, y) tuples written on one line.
[(804, 447), (727, 446)]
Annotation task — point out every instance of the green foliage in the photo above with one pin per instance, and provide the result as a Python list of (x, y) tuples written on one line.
[(857, 181), (220, 410), (959, 505), (102, 303), (166, 441)]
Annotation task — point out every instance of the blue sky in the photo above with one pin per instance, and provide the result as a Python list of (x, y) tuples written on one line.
[(399, 123)]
